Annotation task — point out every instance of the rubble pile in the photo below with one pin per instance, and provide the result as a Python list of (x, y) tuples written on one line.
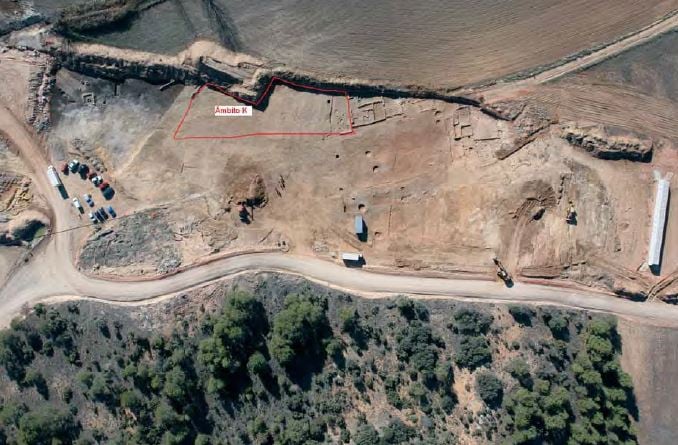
[(606, 143)]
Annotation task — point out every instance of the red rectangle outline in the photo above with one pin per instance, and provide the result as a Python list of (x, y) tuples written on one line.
[(256, 103)]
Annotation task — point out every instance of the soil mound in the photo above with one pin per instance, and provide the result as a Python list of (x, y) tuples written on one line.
[(608, 143)]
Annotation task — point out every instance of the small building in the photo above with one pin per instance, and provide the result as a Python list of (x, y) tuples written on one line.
[(359, 225), (351, 256), (658, 223), (352, 259)]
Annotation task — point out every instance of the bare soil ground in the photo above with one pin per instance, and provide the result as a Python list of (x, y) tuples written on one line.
[(296, 110), (424, 174), (18, 203), (635, 91)]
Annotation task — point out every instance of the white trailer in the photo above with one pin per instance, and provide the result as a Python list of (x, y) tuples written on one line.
[(53, 177), (658, 223)]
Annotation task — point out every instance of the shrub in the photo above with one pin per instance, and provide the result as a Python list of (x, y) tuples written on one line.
[(177, 386), (522, 314), (15, 354), (257, 364), (490, 388), (37, 380), (46, 425), (132, 400), (366, 435), (473, 352), (100, 389), (397, 432), (519, 370), (411, 310), (448, 402), (558, 325), (11, 412), (349, 318), (471, 322), (300, 431), (416, 345)]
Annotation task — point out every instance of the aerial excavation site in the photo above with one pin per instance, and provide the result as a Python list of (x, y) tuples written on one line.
[(358, 222)]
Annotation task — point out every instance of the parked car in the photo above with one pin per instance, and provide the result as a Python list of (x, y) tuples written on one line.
[(93, 218), (112, 212), (103, 186), (97, 180), (88, 199), (83, 169), (108, 192), (103, 213), (64, 168), (92, 175), (77, 205), (99, 216), (73, 165)]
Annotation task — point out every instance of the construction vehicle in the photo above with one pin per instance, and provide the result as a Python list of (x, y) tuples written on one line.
[(571, 217), (73, 165), (502, 272)]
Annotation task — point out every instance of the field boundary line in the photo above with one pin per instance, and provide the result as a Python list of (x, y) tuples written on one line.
[(255, 103)]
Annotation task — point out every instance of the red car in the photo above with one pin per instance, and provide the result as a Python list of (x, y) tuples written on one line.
[(103, 186), (64, 168), (91, 175)]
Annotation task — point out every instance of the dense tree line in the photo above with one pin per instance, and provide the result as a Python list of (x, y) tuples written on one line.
[(297, 370)]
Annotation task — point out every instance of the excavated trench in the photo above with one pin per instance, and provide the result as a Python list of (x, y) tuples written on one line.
[(120, 69)]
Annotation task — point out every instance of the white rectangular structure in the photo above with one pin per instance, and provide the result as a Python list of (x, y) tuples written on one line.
[(53, 176), (658, 223), (351, 256)]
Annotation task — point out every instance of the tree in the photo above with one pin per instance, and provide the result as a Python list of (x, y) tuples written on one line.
[(37, 380), (522, 314), (349, 318), (299, 329), (132, 400), (177, 385), (490, 388), (473, 352), (411, 310), (558, 324), (366, 435), (257, 364), (11, 412), (520, 370), (236, 333), (471, 322), (101, 389), (416, 345), (397, 432), (46, 425), (15, 354)]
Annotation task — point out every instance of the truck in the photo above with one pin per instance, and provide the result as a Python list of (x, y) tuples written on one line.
[(351, 259), (53, 177)]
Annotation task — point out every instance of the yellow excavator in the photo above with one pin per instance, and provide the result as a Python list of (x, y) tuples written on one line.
[(571, 217), (502, 272)]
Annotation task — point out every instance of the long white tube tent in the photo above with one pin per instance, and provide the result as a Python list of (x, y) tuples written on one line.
[(658, 222)]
